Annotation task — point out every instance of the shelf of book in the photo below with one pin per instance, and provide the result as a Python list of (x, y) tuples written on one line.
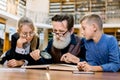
[(107, 9)]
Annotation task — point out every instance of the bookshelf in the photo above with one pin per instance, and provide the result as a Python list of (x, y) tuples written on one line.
[(77, 7), (55, 7), (97, 6), (3, 4), (21, 7), (113, 8), (68, 7), (82, 6), (109, 11), (113, 31)]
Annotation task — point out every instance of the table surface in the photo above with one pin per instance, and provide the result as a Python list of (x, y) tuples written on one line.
[(37, 74)]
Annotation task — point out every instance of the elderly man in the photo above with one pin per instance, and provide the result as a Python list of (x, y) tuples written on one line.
[(65, 47)]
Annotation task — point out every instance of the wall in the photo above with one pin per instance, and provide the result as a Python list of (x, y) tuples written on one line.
[(38, 5), (10, 23)]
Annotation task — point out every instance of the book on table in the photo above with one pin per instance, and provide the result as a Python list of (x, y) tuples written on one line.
[(63, 67)]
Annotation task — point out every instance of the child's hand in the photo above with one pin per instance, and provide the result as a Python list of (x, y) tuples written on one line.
[(15, 63), (84, 66), (21, 41), (81, 65), (35, 54)]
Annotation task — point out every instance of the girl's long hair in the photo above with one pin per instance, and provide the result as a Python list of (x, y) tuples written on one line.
[(27, 21)]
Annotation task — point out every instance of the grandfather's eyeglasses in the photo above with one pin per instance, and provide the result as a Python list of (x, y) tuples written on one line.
[(60, 34), (26, 34)]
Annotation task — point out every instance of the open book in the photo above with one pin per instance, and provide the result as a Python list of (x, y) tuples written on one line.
[(63, 67)]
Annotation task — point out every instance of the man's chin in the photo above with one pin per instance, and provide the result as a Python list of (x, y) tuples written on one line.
[(62, 42), (59, 46)]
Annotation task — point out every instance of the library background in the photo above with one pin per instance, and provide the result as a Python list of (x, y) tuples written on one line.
[(41, 11)]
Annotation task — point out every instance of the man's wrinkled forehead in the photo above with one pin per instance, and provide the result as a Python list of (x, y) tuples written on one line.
[(62, 23)]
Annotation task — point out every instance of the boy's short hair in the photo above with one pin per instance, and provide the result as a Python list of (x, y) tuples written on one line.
[(93, 18), (61, 17)]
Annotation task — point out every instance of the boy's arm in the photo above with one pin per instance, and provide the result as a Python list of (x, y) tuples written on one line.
[(86, 67), (114, 57), (97, 68)]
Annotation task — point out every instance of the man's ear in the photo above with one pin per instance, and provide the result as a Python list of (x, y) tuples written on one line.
[(72, 31)]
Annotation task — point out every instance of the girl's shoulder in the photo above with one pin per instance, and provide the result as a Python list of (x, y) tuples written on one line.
[(15, 35)]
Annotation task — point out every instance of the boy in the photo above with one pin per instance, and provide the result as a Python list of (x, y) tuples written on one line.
[(102, 51)]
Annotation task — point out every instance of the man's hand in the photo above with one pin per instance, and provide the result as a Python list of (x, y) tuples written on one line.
[(15, 63), (35, 54), (69, 58)]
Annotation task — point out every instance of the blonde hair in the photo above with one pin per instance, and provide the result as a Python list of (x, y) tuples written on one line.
[(27, 21)]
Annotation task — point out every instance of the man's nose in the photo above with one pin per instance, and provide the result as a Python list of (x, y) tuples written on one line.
[(57, 37)]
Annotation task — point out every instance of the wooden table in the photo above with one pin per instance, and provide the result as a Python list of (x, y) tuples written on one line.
[(35, 74)]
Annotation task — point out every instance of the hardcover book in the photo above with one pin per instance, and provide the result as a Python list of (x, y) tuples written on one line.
[(63, 67)]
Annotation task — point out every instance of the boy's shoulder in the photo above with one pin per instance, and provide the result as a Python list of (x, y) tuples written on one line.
[(107, 36)]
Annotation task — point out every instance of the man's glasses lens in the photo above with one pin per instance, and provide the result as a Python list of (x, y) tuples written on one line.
[(59, 34)]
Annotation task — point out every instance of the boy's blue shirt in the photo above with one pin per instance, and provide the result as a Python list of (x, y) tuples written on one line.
[(105, 53)]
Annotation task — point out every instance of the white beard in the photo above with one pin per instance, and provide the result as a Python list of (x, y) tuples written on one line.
[(62, 42)]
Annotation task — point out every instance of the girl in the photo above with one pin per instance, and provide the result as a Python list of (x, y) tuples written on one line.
[(22, 43)]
